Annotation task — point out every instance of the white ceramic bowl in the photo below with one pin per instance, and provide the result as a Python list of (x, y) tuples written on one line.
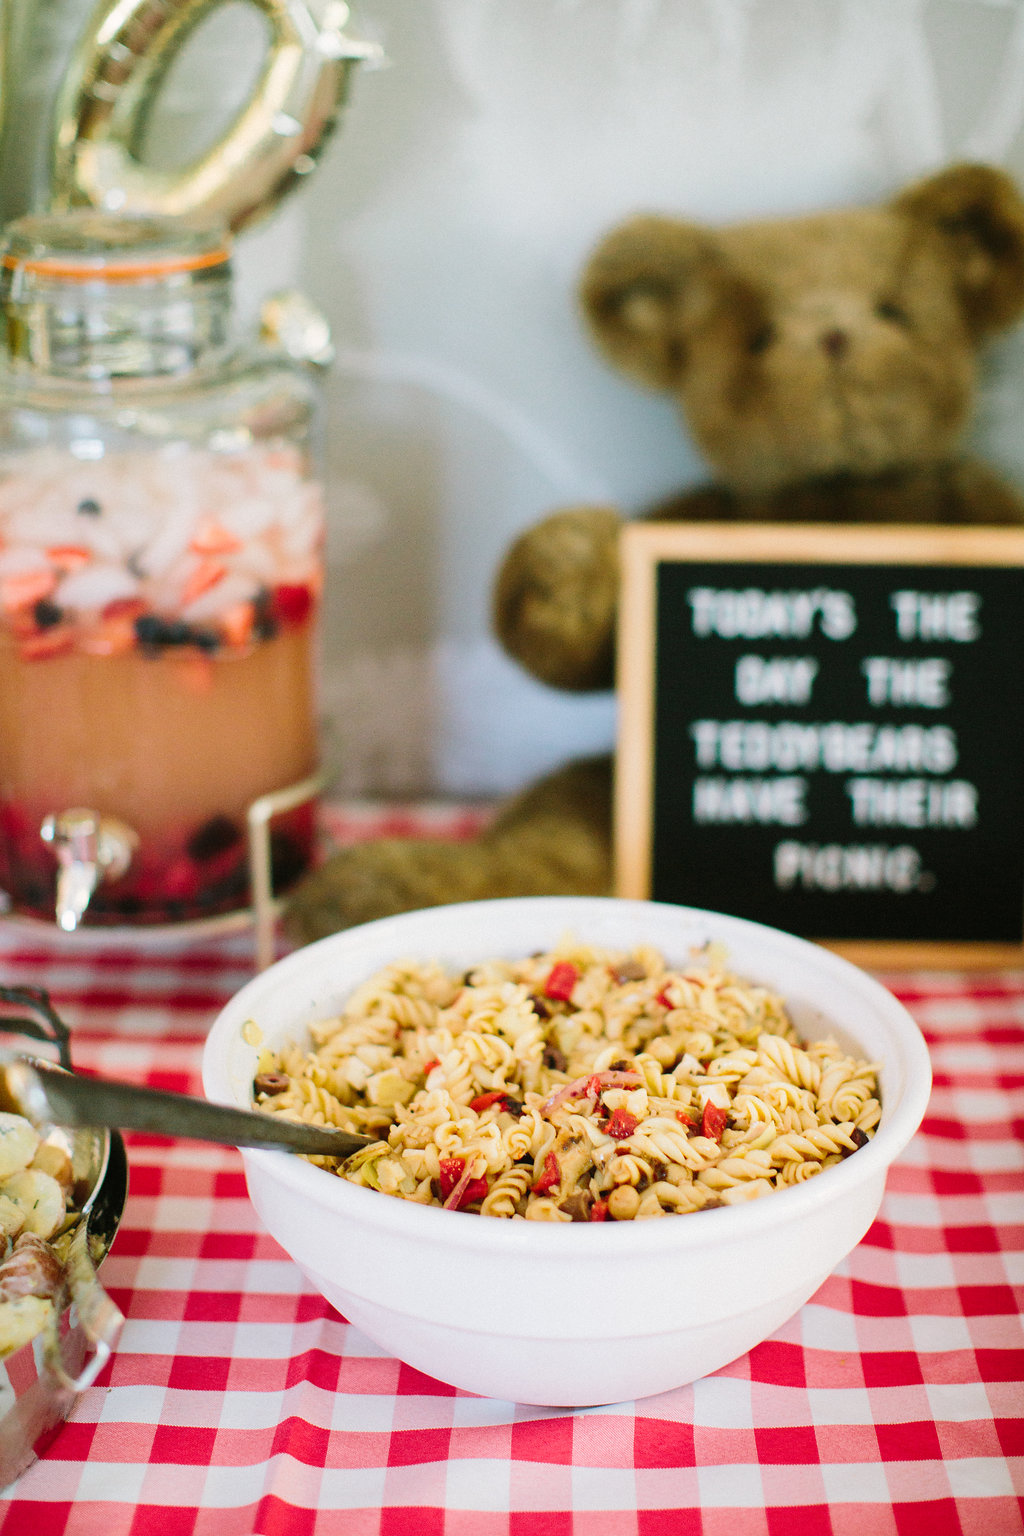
[(559, 1313)]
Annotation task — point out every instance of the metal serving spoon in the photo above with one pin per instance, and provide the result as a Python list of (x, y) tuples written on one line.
[(49, 1095)]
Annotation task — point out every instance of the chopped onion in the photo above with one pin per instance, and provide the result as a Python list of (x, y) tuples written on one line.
[(579, 1088)]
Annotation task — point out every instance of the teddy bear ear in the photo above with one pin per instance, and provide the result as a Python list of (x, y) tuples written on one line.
[(979, 213), (637, 288)]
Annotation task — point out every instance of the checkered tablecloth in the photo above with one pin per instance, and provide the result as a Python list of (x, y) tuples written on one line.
[(239, 1403)]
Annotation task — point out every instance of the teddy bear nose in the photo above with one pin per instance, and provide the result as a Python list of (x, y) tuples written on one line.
[(835, 342)]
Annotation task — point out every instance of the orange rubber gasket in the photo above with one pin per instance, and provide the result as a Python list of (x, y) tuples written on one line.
[(116, 272)]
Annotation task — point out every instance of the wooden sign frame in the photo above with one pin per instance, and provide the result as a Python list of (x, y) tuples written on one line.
[(645, 549)]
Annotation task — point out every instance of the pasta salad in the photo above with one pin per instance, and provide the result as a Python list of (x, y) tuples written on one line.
[(581, 1084)]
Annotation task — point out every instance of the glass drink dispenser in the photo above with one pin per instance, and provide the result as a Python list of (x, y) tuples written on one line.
[(161, 563)]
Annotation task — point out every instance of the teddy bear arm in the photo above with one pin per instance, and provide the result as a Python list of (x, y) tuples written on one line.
[(554, 838), (556, 597)]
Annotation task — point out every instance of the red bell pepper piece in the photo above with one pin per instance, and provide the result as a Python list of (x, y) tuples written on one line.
[(550, 1177), (621, 1125), (450, 1174), (485, 1100), (428, 1067), (560, 982), (451, 1171), (599, 1210), (713, 1121)]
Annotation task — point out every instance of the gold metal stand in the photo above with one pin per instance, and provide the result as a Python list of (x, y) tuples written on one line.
[(258, 817)]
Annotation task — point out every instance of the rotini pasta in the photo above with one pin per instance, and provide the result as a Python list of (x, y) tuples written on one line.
[(581, 1084)]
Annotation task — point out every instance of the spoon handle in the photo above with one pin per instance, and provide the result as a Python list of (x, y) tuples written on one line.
[(44, 1093)]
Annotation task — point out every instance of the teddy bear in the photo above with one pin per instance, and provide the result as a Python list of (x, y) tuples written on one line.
[(826, 368)]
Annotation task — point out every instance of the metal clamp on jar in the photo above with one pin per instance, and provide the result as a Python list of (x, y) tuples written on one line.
[(161, 565)]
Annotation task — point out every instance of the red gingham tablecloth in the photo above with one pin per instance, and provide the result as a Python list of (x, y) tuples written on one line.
[(239, 1403)]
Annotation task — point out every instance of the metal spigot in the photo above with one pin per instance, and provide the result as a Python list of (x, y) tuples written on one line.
[(89, 848)]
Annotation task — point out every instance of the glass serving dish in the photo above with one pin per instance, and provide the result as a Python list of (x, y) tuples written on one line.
[(44, 1369)]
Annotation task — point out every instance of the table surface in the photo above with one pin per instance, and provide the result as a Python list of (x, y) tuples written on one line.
[(239, 1403)]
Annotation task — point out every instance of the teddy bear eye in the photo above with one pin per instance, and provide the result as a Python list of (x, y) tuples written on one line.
[(761, 339), (888, 309)]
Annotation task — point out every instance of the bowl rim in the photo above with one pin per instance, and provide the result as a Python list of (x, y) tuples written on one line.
[(368, 1207)]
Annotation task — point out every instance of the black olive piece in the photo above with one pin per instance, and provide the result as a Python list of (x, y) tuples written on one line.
[(47, 614), (148, 629), (151, 629), (287, 859), (214, 837), (270, 1083), (233, 889), (265, 625), (554, 1057)]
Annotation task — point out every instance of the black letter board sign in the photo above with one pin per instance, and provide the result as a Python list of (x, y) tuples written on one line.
[(822, 728)]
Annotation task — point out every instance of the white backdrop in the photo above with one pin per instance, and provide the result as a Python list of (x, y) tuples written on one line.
[(443, 233)]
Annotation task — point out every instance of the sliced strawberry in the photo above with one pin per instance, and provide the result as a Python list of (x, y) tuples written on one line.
[(69, 557), (237, 623), (212, 538), (24, 588), (201, 578), (123, 608), (57, 641)]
